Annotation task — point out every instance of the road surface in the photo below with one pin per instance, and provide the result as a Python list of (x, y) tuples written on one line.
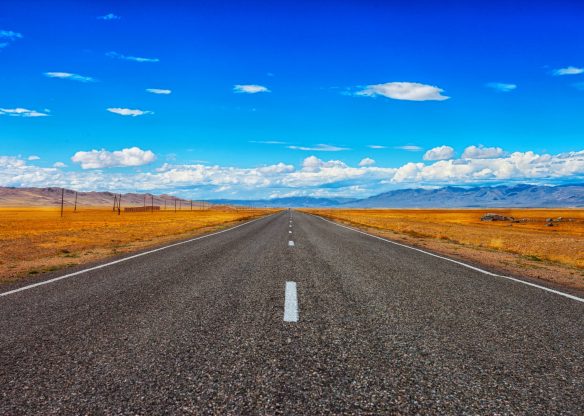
[(247, 322)]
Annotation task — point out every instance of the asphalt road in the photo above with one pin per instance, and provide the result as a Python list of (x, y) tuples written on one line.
[(242, 322)]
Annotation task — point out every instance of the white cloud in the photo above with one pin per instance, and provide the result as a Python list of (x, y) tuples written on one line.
[(250, 89), (22, 112), (159, 91), (130, 58), (109, 16), (569, 70), (517, 166), (409, 148), (319, 148), (267, 142), (129, 112), (439, 153), (8, 36), (376, 146), (33, 157), (313, 177), (501, 86), (59, 165), (367, 162), (68, 75), (410, 91), (481, 152), (97, 159)]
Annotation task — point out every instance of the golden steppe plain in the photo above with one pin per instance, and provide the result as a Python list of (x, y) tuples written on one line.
[(37, 240), (528, 248)]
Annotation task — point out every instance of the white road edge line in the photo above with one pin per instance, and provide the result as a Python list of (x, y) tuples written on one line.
[(101, 266), (547, 289), (291, 243), (290, 303)]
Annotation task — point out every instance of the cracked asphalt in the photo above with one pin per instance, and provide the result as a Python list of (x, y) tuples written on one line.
[(198, 329)]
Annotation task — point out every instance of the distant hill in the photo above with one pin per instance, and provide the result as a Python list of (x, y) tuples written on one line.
[(447, 197), (297, 201), (46, 197), (518, 196), (480, 197)]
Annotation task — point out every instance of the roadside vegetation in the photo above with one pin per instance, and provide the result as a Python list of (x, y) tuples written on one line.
[(542, 243), (38, 240)]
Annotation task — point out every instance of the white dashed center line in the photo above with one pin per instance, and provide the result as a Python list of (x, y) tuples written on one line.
[(289, 232), (291, 243), (290, 303)]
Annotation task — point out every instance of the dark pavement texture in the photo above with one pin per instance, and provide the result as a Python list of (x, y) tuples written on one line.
[(198, 329)]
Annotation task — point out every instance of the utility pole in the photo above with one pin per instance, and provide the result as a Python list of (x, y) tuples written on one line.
[(120, 204), (144, 200), (115, 203), (165, 204), (75, 209), (62, 199), (152, 203), (191, 204), (174, 204)]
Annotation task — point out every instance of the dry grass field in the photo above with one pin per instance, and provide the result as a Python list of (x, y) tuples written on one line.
[(528, 248), (37, 240)]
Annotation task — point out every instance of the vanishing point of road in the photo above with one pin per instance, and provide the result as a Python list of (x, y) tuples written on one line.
[(288, 314)]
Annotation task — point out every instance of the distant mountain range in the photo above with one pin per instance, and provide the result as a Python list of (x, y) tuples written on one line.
[(448, 197), (479, 197), (46, 197), (294, 201), (515, 196)]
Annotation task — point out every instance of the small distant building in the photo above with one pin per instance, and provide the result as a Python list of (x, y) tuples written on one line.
[(148, 208)]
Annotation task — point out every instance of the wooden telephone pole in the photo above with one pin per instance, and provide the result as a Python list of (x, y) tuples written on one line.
[(75, 209)]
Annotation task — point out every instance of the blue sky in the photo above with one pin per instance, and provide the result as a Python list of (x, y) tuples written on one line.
[(262, 99)]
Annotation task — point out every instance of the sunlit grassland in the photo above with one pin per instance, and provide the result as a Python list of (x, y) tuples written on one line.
[(37, 240), (530, 240)]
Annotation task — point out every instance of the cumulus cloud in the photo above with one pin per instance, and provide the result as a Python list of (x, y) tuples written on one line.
[(109, 16), (314, 177), (367, 162), (319, 148), (116, 55), (33, 157), (409, 91), (569, 70), (481, 152), (501, 86), (439, 153), (22, 112), (70, 76), (159, 91), (517, 166), (97, 159), (59, 165), (249, 88), (129, 112)]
